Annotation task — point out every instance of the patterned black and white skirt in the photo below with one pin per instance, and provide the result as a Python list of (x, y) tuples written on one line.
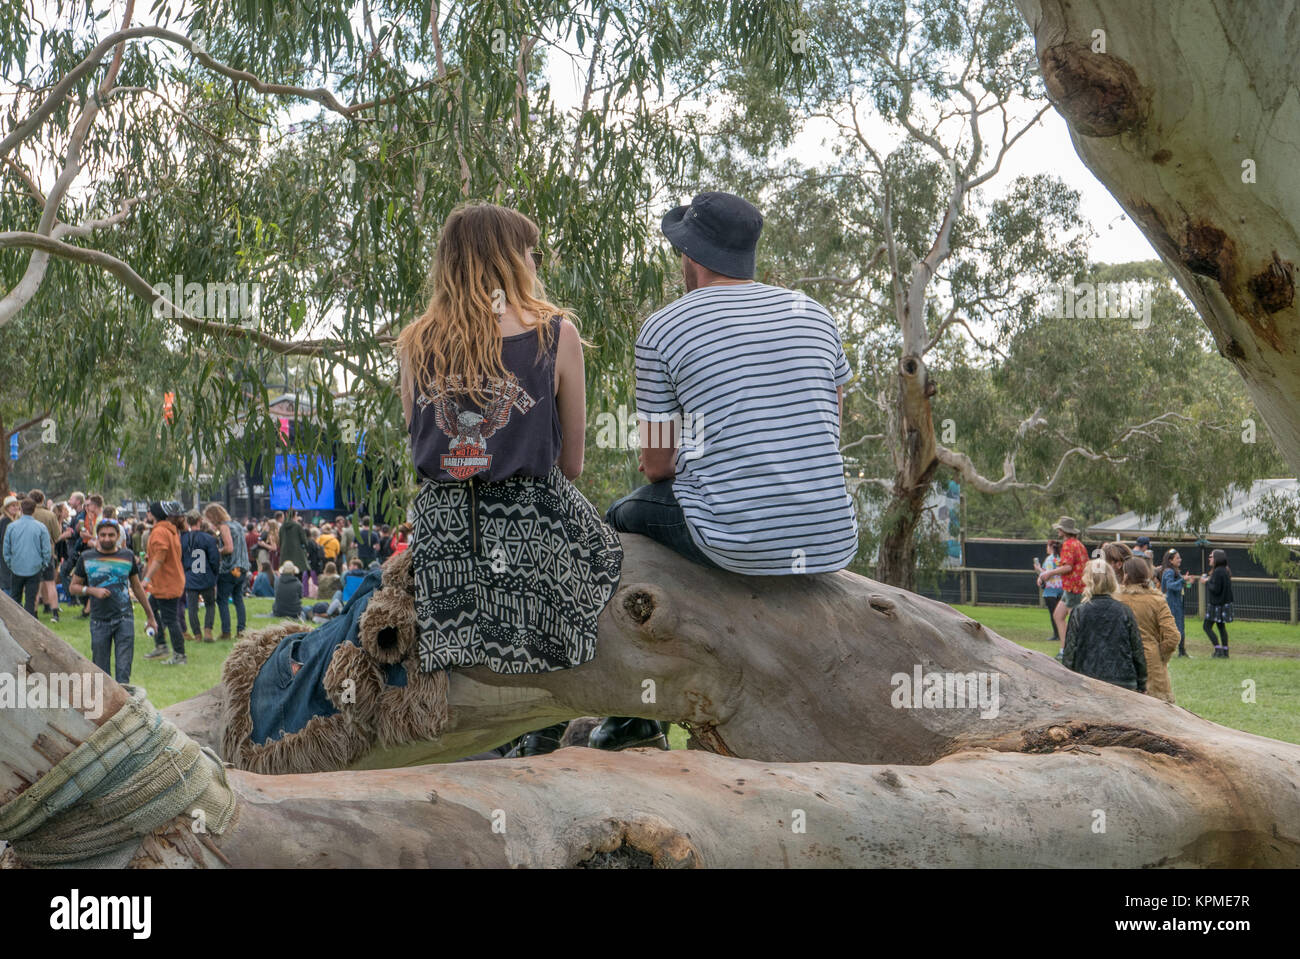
[(1221, 613), (510, 575)]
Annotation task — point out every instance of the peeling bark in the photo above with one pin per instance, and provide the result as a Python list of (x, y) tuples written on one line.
[(1184, 95)]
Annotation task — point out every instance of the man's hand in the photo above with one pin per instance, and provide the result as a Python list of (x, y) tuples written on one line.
[(99, 592), (151, 623)]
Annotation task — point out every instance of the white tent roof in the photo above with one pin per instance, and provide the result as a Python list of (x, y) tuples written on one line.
[(1234, 524)]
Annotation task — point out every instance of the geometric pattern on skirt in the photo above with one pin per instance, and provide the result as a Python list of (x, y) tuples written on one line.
[(510, 575)]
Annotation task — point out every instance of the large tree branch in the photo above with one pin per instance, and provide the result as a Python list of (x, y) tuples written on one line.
[(328, 347), (965, 467)]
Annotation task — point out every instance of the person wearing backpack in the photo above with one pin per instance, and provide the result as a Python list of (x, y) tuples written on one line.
[(232, 576), (201, 553)]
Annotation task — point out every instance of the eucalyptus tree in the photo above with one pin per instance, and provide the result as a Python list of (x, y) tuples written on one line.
[(310, 151), (938, 269), (1186, 112), (1128, 413)]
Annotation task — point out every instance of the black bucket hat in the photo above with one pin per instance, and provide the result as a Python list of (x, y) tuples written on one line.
[(166, 508), (717, 230)]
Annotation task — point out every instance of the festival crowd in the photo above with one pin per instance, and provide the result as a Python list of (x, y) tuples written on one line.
[(185, 568)]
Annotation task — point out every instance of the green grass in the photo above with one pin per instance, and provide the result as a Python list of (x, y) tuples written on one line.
[(165, 684), (1266, 653)]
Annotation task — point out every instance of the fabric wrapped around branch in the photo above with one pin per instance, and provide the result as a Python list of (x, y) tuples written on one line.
[(135, 774)]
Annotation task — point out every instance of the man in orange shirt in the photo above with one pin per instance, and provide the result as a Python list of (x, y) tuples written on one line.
[(165, 576)]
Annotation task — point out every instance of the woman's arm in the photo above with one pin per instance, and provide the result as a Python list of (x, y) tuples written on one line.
[(1135, 648), (1071, 639), (405, 387), (571, 400)]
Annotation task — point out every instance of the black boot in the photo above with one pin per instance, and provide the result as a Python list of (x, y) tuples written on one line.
[(542, 741), (627, 732)]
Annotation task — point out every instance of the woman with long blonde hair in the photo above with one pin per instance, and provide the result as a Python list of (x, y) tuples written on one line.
[(510, 562)]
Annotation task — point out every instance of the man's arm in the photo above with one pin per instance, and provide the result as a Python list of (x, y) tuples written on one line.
[(137, 588), (658, 411), (658, 456), (78, 585), (227, 544)]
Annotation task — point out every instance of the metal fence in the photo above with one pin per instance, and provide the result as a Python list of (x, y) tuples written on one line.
[(1254, 597)]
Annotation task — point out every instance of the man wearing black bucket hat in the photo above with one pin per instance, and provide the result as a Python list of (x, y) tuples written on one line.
[(739, 387)]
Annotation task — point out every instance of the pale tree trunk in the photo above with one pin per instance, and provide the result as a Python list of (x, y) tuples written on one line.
[(911, 440), (794, 677), (1167, 117)]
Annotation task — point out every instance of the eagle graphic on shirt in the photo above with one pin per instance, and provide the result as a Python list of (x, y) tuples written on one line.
[(468, 430)]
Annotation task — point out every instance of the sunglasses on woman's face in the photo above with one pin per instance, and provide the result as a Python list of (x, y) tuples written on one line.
[(537, 259)]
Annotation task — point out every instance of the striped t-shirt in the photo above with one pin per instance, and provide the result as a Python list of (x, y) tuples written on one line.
[(747, 373)]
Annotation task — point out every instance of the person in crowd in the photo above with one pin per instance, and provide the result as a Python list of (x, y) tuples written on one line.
[(293, 545), (288, 593), (139, 530), (1173, 581), (233, 571), (367, 543), (1155, 624), (346, 537), (63, 514), (315, 561), (1116, 554), (1142, 547), (401, 539), (165, 576), (736, 382), (352, 578), (202, 553), (251, 536), (27, 551), (1070, 570), (11, 511), (84, 535), (1218, 601), (330, 545), (105, 574), (330, 583), (269, 544), (47, 592), (264, 582), (385, 548), (1051, 585), (494, 396), (1102, 639)]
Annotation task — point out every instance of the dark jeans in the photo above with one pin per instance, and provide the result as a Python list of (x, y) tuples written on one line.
[(25, 584), (209, 609), (231, 588), (653, 511), (168, 614), (1051, 602), (113, 635)]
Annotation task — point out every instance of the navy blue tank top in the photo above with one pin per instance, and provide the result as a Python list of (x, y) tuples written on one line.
[(515, 433)]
